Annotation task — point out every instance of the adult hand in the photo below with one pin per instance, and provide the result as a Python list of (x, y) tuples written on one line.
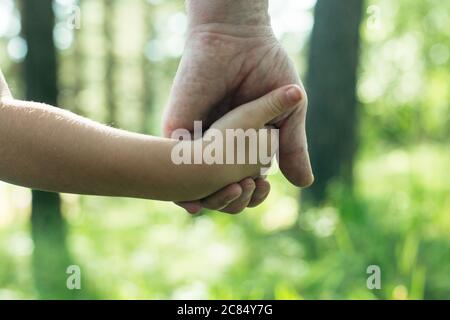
[(226, 64)]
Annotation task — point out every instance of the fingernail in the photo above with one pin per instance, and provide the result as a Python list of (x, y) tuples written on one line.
[(192, 212), (192, 209), (294, 94)]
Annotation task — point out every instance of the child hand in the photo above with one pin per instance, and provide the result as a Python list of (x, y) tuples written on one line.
[(251, 121), (223, 153)]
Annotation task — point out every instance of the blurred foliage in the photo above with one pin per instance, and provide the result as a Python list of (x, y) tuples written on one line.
[(398, 216)]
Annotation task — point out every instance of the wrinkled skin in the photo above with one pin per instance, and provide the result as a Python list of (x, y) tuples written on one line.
[(226, 66)]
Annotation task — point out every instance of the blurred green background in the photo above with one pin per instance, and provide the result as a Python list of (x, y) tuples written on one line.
[(384, 201)]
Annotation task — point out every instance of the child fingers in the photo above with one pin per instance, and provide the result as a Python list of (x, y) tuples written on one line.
[(222, 198), (257, 113), (271, 106), (192, 207), (248, 187), (261, 192)]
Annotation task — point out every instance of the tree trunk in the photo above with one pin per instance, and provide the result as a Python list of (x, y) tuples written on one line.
[(51, 257), (78, 63), (110, 63), (331, 86), (147, 85)]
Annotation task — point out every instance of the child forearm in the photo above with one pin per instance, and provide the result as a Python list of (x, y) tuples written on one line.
[(47, 148)]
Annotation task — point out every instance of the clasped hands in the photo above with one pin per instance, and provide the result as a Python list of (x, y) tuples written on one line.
[(234, 74), (223, 67)]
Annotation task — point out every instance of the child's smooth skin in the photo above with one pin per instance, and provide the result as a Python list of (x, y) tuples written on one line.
[(47, 148)]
